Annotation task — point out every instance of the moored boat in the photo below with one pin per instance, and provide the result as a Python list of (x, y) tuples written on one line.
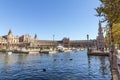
[(67, 50), (9, 52), (52, 52)]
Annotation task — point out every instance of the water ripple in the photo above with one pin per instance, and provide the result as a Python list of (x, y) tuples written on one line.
[(61, 66)]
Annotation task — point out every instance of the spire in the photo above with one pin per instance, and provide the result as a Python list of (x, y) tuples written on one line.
[(10, 32), (87, 37), (35, 37), (100, 27), (99, 23)]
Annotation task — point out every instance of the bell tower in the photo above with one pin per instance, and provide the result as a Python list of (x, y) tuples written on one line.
[(35, 37), (10, 32)]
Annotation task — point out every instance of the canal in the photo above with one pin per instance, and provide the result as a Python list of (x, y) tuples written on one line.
[(60, 66)]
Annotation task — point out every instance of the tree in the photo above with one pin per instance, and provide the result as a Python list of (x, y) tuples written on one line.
[(109, 10), (116, 33)]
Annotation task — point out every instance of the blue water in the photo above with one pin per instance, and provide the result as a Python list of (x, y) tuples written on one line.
[(60, 66)]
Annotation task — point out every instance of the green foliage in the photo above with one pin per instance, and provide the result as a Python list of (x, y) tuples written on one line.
[(115, 32), (109, 10)]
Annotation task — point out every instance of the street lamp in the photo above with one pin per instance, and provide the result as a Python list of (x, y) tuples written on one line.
[(53, 37), (53, 41), (87, 42)]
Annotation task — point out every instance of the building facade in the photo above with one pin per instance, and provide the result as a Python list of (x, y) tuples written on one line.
[(10, 41), (66, 42), (25, 41)]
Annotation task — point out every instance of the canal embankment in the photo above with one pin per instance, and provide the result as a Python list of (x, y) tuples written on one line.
[(97, 53)]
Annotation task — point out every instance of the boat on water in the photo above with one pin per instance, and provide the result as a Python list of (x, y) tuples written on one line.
[(63, 49), (9, 52), (67, 50), (52, 52), (82, 49)]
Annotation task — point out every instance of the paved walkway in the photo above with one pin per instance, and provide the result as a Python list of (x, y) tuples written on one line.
[(118, 62), (118, 65)]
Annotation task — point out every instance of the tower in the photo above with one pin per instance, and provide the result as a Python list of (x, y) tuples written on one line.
[(100, 33), (35, 37), (10, 32), (100, 39), (87, 37), (34, 43), (9, 36)]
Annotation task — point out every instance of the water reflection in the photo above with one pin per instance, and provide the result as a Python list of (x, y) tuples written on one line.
[(100, 63), (61, 66)]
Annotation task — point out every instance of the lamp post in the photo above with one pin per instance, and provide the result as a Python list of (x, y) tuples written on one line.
[(87, 41), (53, 41)]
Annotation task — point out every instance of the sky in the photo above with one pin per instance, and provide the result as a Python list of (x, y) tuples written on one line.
[(63, 18)]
